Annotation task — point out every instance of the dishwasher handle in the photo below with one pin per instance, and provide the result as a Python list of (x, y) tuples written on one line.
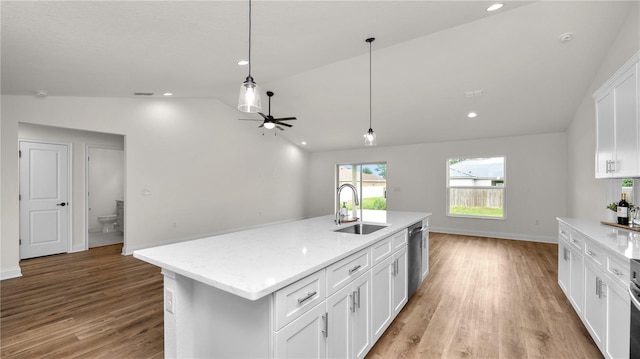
[(634, 295), (417, 230)]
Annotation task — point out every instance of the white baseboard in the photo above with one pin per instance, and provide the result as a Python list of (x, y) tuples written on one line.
[(519, 237), (78, 248), (9, 273)]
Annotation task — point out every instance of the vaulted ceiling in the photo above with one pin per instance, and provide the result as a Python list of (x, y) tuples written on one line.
[(312, 54)]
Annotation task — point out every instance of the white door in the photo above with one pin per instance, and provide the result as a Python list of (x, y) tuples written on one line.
[(305, 337), (340, 307), (594, 305), (44, 199), (361, 326), (381, 291), (400, 281)]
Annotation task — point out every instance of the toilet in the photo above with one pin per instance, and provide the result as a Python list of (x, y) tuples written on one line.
[(108, 223)]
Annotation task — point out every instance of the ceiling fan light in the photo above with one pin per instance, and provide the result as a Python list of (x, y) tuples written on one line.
[(370, 138), (249, 99), (269, 125)]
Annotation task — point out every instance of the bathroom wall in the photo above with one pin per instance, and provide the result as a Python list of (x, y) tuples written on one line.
[(106, 183), (79, 141)]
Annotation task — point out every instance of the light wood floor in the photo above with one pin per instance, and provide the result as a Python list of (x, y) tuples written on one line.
[(483, 298), (487, 298)]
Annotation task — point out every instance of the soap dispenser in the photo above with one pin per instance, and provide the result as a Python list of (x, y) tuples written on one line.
[(343, 211)]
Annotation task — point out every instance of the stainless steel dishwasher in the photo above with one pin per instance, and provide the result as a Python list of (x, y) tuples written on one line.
[(415, 257)]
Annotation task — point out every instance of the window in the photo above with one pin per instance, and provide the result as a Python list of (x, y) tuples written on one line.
[(476, 187), (370, 179)]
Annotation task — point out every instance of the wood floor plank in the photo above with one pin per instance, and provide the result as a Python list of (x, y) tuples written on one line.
[(483, 298)]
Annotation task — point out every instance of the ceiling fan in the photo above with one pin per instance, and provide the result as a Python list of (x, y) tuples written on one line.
[(269, 122)]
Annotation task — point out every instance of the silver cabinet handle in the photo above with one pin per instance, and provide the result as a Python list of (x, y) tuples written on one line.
[(352, 299), (573, 241), (308, 296), (598, 287), (358, 297), (616, 271), (354, 269), (393, 269), (590, 253), (325, 331)]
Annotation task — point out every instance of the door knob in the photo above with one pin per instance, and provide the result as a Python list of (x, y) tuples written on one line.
[(62, 204)]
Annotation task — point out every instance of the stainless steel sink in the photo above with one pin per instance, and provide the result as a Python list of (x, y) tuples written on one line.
[(360, 228)]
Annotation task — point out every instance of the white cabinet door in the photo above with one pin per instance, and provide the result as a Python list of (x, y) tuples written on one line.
[(564, 267), (594, 305), (618, 324), (304, 337), (339, 307), (350, 320), (576, 286), (400, 281), (605, 144), (361, 327), (381, 291), (425, 254)]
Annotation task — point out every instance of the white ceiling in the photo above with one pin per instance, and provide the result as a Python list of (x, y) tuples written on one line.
[(312, 54)]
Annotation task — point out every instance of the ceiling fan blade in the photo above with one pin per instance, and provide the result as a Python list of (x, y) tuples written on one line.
[(263, 115), (279, 128), (284, 124), (261, 125), (285, 119), (250, 119)]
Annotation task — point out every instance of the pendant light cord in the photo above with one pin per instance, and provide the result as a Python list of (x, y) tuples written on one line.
[(249, 38), (370, 85)]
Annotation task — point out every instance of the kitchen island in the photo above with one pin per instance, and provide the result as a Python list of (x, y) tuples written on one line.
[(284, 290)]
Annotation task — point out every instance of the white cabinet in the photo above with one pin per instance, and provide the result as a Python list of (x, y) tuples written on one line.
[(618, 124), (594, 305), (388, 291), (595, 280), (424, 262), (617, 321), (400, 280), (349, 329), (305, 337)]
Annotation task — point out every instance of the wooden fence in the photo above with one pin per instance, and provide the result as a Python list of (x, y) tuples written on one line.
[(476, 197)]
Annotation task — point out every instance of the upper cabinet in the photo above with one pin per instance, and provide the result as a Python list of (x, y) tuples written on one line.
[(618, 124)]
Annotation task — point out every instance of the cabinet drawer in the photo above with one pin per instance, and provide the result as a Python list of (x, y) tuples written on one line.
[(344, 271), (576, 240), (399, 239), (381, 250), (594, 253), (619, 270), (296, 299), (564, 232)]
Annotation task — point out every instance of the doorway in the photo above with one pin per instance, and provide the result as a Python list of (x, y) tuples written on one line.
[(45, 198), (105, 195)]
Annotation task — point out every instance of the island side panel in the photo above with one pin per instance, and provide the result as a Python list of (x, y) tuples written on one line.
[(178, 315), (229, 326)]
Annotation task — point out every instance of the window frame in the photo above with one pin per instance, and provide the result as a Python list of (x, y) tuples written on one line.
[(503, 188)]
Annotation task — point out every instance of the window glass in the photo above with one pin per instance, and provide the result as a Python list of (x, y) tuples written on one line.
[(370, 179), (476, 187)]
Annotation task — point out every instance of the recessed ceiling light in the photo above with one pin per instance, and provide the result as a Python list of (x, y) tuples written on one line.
[(304, 143), (243, 62), (566, 37), (495, 6), (167, 94), (472, 114)]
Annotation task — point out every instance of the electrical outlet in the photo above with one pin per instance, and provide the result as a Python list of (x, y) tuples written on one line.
[(169, 300)]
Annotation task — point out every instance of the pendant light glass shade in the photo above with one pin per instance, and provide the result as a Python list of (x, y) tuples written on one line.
[(249, 99), (370, 138)]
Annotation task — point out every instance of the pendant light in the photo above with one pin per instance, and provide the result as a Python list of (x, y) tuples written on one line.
[(249, 99), (370, 136)]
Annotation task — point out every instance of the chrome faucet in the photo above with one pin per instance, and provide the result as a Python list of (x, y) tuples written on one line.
[(355, 200)]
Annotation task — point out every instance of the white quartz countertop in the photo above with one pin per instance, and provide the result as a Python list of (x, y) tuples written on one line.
[(625, 243), (256, 262)]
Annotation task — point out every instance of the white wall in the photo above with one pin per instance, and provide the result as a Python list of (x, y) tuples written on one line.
[(586, 196), (78, 140), (106, 183), (207, 172), (416, 181)]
